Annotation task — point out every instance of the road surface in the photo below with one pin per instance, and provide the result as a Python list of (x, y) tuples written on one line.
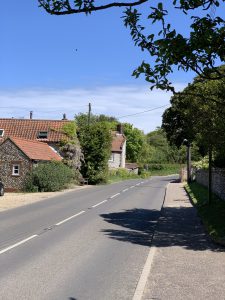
[(87, 244)]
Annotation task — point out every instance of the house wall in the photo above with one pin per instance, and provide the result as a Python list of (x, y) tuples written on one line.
[(123, 155), (9, 155), (119, 158), (116, 162), (218, 180)]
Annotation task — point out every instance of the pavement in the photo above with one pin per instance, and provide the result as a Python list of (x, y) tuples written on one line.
[(186, 263)]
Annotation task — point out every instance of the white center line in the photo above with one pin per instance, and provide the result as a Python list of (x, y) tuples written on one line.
[(18, 244), (113, 196), (138, 183), (131, 187), (99, 203), (67, 219), (124, 190)]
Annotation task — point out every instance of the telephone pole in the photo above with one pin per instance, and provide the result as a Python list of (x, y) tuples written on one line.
[(89, 113)]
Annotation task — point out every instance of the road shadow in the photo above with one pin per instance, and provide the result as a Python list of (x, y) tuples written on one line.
[(139, 222), (176, 227)]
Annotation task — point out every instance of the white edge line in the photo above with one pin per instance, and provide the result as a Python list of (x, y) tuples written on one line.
[(18, 244), (125, 190), (139, 291), (99, 203), (144, 275), (67, 219), (113, 196)]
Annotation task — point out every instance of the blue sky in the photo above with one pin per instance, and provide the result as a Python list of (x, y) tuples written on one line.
[(51, 65)]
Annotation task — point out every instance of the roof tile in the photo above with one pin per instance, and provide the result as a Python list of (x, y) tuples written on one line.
[(36, 150), (29, 129)]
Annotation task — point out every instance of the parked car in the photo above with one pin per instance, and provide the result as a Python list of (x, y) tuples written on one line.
[(2, 189)]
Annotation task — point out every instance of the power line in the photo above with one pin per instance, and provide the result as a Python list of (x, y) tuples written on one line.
[(142, 112)]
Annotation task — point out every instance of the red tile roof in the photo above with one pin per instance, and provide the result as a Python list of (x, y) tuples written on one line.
[(131, 166), (117, 142), (36, 150), (29, 129)]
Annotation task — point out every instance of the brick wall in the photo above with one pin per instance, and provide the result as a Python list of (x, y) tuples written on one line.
[(9, 155), (218, 180)]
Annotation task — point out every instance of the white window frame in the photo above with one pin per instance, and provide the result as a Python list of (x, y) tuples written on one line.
[(16, 170), (112, 157), (3, 131)]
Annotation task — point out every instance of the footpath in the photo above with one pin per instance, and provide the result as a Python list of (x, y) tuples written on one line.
[(186, 264)]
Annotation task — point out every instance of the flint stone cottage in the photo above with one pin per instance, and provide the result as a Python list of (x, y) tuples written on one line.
[(24, 143), (18, 156)]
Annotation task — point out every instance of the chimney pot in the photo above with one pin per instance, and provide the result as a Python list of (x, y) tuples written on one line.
[(120, 128), (64, 117), (31, 115)]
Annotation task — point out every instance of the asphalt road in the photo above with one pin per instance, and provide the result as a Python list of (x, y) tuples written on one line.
[(86, 244)]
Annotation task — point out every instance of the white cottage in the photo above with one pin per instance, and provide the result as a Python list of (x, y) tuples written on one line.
[(118, 151)]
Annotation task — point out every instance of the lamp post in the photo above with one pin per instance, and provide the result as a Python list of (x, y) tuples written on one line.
[(188, 144)]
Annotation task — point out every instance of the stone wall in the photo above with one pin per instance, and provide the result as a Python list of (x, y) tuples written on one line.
[(10, 154), (218, 180)]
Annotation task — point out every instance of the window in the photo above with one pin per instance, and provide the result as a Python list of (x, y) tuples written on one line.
[(16, 170), (1, 132), (111, 157), (42, 135)]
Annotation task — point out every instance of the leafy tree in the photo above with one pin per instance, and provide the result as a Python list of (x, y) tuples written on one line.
[(198, 114), (135, 142), (71, 149), (95, 140), (199, 51), (164, 152), (82, 120)]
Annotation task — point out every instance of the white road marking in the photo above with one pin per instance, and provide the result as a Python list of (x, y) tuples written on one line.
[(131, 187), (138, 183), (67, 219), (18, 244), (124, 190), (113, 196), (144, 275), (99, 203)]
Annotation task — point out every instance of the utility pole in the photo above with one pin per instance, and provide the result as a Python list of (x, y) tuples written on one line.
[(188, 145), (89, 113), (210, 176)]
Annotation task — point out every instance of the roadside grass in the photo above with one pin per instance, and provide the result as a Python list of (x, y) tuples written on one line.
[(120, 174), (164, 169), (212, 215), (154, 170)]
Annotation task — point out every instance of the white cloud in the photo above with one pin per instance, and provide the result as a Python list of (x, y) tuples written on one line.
[(110, 100)]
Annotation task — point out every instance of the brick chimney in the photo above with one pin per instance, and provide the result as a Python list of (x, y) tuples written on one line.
[(120, 128), (64, 117)]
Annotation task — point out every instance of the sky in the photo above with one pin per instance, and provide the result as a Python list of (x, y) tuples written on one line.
[(58, 64)]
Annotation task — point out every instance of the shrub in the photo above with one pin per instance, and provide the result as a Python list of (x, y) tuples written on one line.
[(49, 177), (121, 174)]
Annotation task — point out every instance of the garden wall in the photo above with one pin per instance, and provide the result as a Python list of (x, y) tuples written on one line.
[(218, 180)]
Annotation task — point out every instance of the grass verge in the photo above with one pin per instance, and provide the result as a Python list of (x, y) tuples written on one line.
[(164, 169), (213, 215), (122, 174)]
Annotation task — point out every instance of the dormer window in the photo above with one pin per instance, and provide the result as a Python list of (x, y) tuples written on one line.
[(42, 135), (1, 132)]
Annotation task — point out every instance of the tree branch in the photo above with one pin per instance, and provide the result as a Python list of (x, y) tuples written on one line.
[(89, 9)]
